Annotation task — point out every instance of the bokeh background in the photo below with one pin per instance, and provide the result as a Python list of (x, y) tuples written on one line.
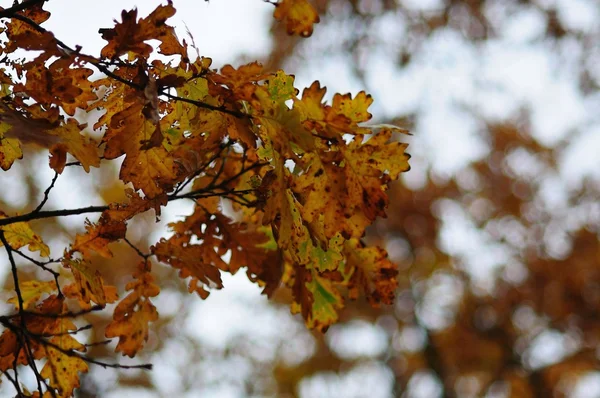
[(494, 229)]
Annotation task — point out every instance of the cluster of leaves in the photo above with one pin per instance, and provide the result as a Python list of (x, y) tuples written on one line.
[(487, 337), (304, 178)]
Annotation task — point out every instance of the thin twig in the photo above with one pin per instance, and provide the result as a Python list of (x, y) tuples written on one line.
[(68, 314), (75, 354), (69, 332), (46, 193), (138, 251), (204, 105), (201, 169), (24, 341), (44, 266)]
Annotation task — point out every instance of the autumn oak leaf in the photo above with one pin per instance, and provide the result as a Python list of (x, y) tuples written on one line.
[(130, 35), (62, 370), (133, 314), (299, 16), (32, 291), (88, 286), (20, 234), (98, 236)]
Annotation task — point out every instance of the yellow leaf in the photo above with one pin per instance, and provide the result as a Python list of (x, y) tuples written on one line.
[(62, 370), (31, 291), (299, 15), (76, 144), (376, 156), (326, 302), (150, 170), (88, 285), (354, 109), (20, 234), (10, 149), (372, 272)]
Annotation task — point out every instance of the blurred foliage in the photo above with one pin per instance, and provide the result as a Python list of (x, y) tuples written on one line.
[(460, 327)]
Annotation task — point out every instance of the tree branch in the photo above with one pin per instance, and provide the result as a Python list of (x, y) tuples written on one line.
[(11, 12), (51, 213)]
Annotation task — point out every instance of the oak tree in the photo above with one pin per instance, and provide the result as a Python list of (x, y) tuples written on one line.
[(283, 184)]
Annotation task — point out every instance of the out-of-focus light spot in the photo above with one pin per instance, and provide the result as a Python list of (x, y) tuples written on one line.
[(523, 26), (588, 385), (549, 347), (371, 379), (579, 15), (409, 339), (424, 385), (468, 387), (438, 307), (357, 339), (422, 5)]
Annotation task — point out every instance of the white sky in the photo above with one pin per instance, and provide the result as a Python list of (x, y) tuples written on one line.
[(222, 29)]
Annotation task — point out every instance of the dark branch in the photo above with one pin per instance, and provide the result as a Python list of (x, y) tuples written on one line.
[(51, 213), (204, 105), (12, 11)]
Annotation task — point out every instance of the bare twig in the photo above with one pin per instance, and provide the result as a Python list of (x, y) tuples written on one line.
[(46, 193), (138, 251), (44, 266)]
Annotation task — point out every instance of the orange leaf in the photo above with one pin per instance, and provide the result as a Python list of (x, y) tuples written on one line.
[(133, 314), (299, 15), (129, 36), (76, 144), (98, 236), (201, 262)]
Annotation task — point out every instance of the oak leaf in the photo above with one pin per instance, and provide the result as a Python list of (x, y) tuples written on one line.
[(129, 36), (244, 243), (25, 128), (299, 16), (98, 236), (121, 212), (31, 291), (10, 150), (133, 314), (72, 141), (19, 234), (22, 35), (151, 169), (63, 365), (316, 298), (88, 286), (372, 272), (199, 261)]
